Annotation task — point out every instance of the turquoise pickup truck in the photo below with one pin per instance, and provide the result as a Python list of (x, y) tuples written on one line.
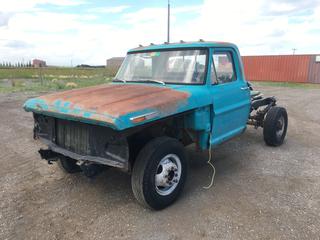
[(163, 98)]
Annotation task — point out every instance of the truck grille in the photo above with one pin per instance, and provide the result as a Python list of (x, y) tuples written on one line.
[(73, 136)]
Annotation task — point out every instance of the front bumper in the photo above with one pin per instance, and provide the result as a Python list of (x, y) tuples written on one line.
[(54, 150)]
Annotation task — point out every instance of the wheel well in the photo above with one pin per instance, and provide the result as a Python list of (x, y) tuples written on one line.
[(172, 127)]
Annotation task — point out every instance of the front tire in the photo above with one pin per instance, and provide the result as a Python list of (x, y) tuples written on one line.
[(159, 173), (275, 126)]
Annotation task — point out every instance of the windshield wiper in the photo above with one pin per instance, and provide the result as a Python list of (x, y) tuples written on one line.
[(116, 79), (147, 80), (157, 81)]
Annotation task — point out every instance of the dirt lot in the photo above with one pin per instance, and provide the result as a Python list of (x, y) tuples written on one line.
[(260, 192)]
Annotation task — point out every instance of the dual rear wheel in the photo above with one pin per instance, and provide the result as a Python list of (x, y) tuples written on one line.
[(275, 126)]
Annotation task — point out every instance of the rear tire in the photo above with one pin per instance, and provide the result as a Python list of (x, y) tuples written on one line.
[(159, 173), (68, 165), (275, 126)]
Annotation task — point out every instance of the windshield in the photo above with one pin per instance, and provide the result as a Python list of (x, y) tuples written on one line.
[(179, 66)]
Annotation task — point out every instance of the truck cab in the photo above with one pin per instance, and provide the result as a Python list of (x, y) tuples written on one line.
[(163, 98), (211, 73)]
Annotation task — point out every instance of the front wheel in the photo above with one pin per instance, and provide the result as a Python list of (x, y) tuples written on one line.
[(159, 173), (275, 126)]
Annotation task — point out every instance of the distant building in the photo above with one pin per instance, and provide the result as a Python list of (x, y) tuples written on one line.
[(114, 62), (38, 63)]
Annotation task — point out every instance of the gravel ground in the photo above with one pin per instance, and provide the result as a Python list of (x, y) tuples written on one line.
[(260, 192)]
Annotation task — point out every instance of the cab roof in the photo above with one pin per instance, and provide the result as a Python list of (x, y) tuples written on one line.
[(182, 44)]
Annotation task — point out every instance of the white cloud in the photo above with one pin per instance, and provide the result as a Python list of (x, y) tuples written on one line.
[(255, 28), (117, 9), (155, 15), (258, 27), (29, 5), (281, 7), (158, 16), (4, 19)]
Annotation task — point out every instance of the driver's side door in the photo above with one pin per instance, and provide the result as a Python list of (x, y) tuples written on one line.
[(230, 94)]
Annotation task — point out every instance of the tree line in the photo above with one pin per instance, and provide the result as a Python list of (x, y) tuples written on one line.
[(15, 65)]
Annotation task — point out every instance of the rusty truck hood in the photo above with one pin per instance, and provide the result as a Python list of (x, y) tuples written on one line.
[(114, 105)]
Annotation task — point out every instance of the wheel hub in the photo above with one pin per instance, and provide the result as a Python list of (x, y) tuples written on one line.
[(168, 174)]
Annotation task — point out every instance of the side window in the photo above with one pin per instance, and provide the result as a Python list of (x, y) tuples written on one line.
[(224, 67)]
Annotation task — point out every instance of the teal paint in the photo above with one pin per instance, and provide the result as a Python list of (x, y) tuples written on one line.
[(183, 45), (220, 111), (231, 102)]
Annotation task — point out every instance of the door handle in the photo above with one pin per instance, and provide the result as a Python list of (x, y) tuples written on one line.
[(244, 88)]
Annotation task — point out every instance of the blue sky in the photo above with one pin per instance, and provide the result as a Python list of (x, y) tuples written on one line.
[(83, 31)]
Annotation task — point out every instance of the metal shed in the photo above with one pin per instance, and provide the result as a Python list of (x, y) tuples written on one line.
[(283, 68)]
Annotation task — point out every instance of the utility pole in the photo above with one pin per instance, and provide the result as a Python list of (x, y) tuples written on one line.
[(168, 33), (294, 51)]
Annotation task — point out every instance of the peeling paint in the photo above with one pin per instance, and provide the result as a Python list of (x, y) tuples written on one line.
[(112, 104)]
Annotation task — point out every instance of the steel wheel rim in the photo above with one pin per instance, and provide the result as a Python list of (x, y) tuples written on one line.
[(168, 174), (280, 127)]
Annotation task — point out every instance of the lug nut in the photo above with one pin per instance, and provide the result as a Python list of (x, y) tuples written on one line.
[(176, 174)]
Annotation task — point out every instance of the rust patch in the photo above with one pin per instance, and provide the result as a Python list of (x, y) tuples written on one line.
[(120, 99)]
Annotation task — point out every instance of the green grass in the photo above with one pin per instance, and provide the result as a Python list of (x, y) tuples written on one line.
[(49, 85), (55, 72), (286, 84), (57, 78), (51, 79)]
